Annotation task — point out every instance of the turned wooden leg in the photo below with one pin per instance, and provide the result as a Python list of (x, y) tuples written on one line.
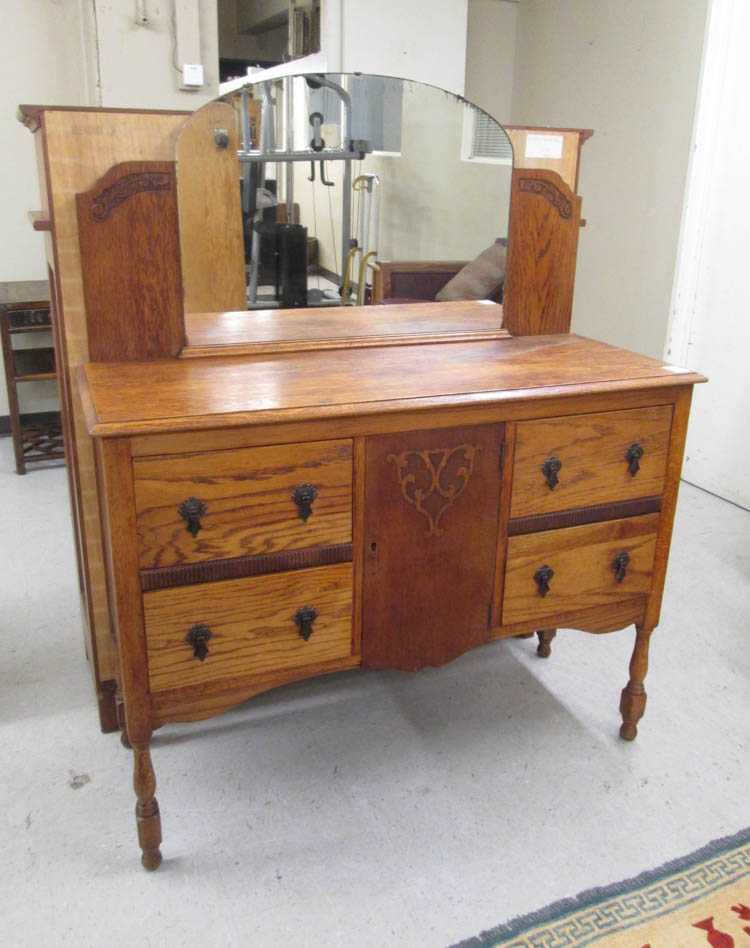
[(545, 637), (146, 808), (633, 698)]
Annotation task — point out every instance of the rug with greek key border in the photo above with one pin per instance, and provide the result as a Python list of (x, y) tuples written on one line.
[(701, 899)]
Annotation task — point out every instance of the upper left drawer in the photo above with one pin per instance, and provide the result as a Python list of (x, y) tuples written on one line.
[(218, 504)]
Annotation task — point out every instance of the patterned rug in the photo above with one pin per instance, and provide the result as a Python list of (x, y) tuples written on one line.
[(701, 899)]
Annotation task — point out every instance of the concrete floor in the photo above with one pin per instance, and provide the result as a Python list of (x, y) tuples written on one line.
[(366, 809)]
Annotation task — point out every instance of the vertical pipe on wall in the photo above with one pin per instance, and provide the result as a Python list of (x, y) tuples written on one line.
[(332, 34), (289, 144), (187, 34)]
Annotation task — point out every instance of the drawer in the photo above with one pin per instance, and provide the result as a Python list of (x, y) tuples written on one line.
[(583, 561), (590, 455), (247, 627), (220, 504)]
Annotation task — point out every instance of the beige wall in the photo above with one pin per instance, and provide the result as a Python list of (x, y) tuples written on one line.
[(434, 206), (490, 55), (629, 71)]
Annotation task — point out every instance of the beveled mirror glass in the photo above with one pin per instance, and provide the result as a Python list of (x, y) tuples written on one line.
[(331, 191)]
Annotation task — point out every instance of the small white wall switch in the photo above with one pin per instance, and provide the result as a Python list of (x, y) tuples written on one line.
[(192, 76)]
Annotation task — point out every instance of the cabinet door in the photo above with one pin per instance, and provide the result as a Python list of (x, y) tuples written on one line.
[(431, 534)]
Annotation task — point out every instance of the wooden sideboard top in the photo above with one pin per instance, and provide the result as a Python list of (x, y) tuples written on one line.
[(340, 327), (135, 398)]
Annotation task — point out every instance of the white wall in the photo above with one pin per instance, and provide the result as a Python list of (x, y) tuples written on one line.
[(490, 55), (711, 328), (77, 52), (40, 48), (629, 71), (414, 39), (137, 65)]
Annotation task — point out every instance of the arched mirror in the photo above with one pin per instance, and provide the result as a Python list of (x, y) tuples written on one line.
[(334, 190)]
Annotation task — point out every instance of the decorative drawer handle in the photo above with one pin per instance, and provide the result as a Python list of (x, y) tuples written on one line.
[(198, 638), (633, 456), (191, 511), (304, 619), (542, 578), (303, 496), (550, 469), (620, 565)]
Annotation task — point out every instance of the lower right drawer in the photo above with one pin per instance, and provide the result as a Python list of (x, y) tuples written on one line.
[(574, 568)]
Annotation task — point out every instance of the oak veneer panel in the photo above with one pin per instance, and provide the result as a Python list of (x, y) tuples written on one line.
[(431, 525), (342, 326), (228, 392), (592, 451), (252, 625), (581, 558), (208, 191), (127, 230), (248, 495), (74, 148), (545, 216)]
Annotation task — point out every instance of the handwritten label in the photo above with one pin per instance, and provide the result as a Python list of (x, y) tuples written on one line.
[(544, 146)]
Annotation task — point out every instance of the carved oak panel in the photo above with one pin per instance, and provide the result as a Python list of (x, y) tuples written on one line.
[(431, 526)]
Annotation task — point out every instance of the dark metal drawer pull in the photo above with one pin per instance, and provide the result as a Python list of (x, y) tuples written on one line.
[(303, 496), (633, 456), (198, 637), (620, 565), (542, 578), (191, 511), (304, 619), (550, 469)]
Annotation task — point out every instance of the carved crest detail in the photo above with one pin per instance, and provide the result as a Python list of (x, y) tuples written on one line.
[(555, 197), (432, 480), (126, 187)]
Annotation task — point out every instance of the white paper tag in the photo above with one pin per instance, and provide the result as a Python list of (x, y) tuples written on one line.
[(544, 146)]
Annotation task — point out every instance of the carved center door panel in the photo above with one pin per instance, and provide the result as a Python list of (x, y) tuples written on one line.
[(431, 530)]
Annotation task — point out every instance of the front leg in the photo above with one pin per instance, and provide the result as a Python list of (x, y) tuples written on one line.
[(633, 698), (147, 815), (545, 637)]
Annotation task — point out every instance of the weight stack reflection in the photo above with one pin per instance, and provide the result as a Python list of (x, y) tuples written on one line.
[(291, 265)]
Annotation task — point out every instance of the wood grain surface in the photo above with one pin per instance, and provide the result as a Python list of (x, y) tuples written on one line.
[(371, 422), (581, 558), (76, 146), (431, 523), (592, 450), (252, 625), (208, 193), (280, 330), (543, 230), (568, 162), (130, 260), (249, 502), (189, 394)]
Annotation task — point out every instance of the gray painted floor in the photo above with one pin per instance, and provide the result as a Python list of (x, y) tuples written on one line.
[(366, 809)]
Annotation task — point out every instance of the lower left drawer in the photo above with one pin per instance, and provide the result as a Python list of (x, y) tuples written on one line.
[(246, 627)]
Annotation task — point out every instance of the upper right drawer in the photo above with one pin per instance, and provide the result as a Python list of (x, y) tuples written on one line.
[(582, 460)]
